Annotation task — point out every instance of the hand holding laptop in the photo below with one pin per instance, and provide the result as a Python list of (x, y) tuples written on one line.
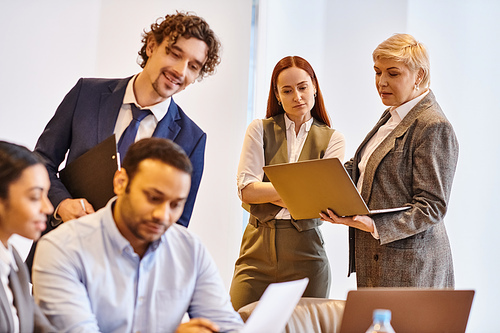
[(361, 222)]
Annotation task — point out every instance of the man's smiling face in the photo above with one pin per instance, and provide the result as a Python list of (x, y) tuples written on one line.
[(170, 70)]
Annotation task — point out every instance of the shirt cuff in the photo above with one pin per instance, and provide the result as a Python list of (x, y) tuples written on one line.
[(56, 219), (243, 180), (375, 232)]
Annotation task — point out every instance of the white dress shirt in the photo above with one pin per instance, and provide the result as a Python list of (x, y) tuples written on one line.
[(397, 115), (148, 125), (7, 263), (252, 161)]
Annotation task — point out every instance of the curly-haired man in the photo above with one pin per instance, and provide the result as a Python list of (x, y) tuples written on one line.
[(177, 50)]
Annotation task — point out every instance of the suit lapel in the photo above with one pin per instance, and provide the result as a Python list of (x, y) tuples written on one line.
[(17, 281), (5, 309), (167, 127), (388, 144), (109, 107), (17, 291)]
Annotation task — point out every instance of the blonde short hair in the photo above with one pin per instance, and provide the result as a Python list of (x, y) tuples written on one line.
[(406, 49)]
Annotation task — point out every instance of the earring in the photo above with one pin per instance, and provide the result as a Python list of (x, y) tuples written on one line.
[(417, 86), (279, 102), (315, 94)]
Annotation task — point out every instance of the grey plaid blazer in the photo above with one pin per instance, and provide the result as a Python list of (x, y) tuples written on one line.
[(413, 166)]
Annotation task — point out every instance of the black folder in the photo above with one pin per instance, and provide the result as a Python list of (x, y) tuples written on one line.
[(90, 176)]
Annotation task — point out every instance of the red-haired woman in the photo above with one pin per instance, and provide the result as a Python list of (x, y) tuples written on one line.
[(275, 247)]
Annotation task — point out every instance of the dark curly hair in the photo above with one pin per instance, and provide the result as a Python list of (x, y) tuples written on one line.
[(186, 25)]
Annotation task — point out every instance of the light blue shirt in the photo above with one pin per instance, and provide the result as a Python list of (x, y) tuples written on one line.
[(87, 277)]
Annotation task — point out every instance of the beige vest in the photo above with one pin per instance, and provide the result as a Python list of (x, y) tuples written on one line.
[(275, 152)]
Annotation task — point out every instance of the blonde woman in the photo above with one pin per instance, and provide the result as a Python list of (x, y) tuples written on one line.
[(408, 159)]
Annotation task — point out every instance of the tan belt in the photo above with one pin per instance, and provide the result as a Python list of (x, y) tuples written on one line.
[(300, 225)]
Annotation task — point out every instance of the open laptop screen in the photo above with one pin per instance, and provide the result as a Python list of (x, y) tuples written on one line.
[(413, 310)]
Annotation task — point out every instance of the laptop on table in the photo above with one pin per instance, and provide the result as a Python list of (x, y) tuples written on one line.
[(413, 310)]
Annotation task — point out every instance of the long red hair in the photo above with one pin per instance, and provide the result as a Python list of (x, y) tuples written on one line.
[(273, 108)]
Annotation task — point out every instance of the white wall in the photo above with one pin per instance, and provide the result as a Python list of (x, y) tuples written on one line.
[(338, 37), (462, 37), (48, 45)]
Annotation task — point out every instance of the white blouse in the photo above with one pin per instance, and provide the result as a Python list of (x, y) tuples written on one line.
[(252, 161), (397, 115), (148, 125)]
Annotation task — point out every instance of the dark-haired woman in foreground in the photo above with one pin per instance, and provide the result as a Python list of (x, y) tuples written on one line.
[(24, 183)]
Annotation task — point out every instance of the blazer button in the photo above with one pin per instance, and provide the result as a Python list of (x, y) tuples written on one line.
[(375, 257)]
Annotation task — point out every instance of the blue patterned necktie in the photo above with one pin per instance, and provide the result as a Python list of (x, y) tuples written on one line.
[(128, 136)]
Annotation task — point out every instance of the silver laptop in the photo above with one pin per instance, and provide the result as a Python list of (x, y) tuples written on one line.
[(310, 187), (413, 310)]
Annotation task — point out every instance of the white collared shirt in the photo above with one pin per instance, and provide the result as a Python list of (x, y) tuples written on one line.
[(7, 263), (252, 158), (148, 125), (397, 115)]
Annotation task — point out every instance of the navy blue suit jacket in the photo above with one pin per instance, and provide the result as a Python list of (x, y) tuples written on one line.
[(87, 116)]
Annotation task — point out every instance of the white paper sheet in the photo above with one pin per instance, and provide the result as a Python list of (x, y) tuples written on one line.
[(275, 307)]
